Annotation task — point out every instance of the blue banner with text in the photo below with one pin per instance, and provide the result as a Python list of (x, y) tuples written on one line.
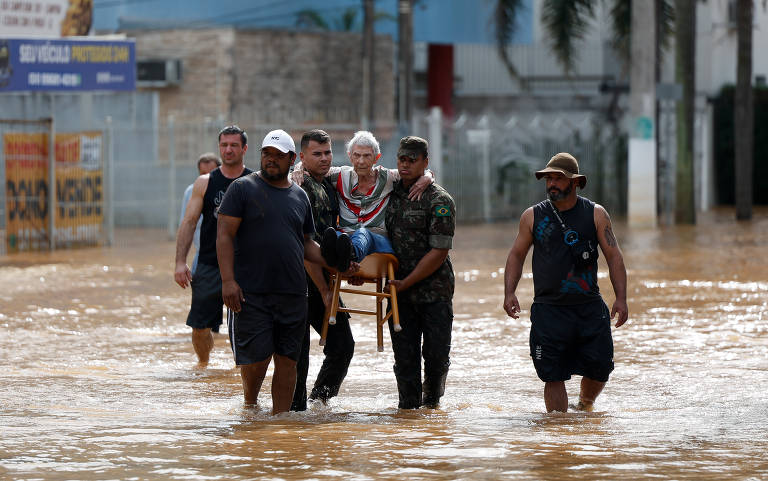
[(67, 65)]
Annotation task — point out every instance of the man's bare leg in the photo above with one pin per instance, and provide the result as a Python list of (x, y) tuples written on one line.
[(253, 377), (590, 389), (202, 341), (283, 383), (555, 396)]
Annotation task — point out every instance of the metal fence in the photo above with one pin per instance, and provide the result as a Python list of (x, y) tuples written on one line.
[(141, 170), (488, 161)]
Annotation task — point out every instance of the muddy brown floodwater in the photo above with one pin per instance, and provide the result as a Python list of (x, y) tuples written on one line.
[(98, 379)]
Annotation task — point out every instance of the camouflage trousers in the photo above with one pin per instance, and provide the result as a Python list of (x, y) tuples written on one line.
[(426, 332)]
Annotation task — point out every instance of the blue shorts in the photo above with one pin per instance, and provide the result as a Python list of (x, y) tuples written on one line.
[(207, 305), (268, 324), (574, 339)]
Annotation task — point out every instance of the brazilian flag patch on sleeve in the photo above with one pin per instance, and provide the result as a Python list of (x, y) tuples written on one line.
[(443, 211)]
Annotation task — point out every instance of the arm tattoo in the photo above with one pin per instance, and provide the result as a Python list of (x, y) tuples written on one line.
[(609, 237)]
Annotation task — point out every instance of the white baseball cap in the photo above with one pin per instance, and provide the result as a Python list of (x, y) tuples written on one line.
[(280, 140)]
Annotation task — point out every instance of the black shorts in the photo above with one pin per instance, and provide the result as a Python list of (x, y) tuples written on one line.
[(574, 339), (268, 324), (207, 305)]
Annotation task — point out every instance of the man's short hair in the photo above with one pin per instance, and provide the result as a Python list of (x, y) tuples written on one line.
[(363, 138), (209, 157), (232, 130), (319, 136), (412, 146)]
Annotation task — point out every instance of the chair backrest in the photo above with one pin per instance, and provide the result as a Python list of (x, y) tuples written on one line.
[(374, 266)]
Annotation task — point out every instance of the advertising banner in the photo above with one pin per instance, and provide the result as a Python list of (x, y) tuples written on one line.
[(79, 190), (45, 18), (67, 65)]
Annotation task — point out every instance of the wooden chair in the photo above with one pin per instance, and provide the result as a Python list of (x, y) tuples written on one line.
[(375, 268)]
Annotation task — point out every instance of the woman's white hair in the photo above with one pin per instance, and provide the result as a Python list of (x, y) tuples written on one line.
[(363, 138)]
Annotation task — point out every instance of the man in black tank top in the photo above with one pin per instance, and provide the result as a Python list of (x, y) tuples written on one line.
[(206, 310), (570, 323)]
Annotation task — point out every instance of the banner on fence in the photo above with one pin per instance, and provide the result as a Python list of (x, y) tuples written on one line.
[(79, 190)]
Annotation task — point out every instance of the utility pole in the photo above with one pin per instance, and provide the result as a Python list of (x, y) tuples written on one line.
[(369, 64), (744, 111), (685, 73), (404, 63), (641, 198)]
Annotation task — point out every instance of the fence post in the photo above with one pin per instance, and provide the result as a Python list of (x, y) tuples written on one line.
[(52, 179), (435, 130), (482, 138), (110, 180), (171, 181)]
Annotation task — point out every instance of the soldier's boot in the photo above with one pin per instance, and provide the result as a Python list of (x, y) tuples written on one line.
[(432, 390)]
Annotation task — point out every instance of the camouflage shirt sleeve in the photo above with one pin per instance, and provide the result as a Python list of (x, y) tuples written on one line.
[(442, 220)]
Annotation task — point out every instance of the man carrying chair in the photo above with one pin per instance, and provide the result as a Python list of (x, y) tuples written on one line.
[(421, 232)]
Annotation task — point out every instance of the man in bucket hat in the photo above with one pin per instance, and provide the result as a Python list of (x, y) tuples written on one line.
[(570, 323)]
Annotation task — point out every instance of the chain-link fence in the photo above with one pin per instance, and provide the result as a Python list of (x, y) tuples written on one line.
[(488, 161)]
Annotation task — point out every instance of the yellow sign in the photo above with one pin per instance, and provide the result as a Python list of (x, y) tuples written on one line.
[(79, 190)]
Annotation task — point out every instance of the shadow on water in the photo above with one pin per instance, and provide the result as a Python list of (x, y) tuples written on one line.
[(99, 380)]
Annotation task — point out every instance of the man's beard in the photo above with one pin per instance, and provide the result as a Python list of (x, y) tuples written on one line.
[(280, 175), (559, 194)]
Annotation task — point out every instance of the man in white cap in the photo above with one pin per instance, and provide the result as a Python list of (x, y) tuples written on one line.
[(264, 229), (570, 323)]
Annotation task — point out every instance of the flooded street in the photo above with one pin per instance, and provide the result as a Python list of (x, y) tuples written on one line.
[(98, 379)]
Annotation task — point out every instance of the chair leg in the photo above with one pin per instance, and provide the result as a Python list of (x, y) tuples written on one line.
[(379, 322), (393, 297), (330, 311)]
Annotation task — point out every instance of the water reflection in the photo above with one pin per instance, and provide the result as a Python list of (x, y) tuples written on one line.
[(99, 381)]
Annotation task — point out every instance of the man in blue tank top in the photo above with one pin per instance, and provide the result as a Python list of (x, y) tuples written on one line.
[(206, 310), (570, 323)]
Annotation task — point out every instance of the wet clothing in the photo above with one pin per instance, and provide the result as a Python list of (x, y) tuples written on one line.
[(206, 281), (339, 345), (426, 308), (556, 278), (338, 351), (426, 332), (269, 267), (269, 245), (206, 308), (574, 339), (214, 193), (570, 323), (267, 324)]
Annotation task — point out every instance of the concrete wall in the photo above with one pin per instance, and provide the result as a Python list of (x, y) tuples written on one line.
[(256, 77)]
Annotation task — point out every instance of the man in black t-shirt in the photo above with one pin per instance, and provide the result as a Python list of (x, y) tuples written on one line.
[(570, 323), (207, 192), (265, 226)]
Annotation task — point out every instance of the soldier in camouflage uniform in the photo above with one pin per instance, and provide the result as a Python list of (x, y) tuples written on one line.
[(421, 232), (316, 156)]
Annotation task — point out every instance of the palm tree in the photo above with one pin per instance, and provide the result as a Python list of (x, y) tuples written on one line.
[(312, 19), (566, 22)]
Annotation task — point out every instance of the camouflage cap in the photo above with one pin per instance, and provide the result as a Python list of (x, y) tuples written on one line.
[(411, 146)]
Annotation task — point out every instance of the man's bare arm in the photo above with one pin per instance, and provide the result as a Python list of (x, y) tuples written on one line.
[(513, 270), (615, 260), (226, 229), (186, 232)]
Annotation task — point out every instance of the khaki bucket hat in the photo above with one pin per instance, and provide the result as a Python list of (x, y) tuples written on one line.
[(565, 164)]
